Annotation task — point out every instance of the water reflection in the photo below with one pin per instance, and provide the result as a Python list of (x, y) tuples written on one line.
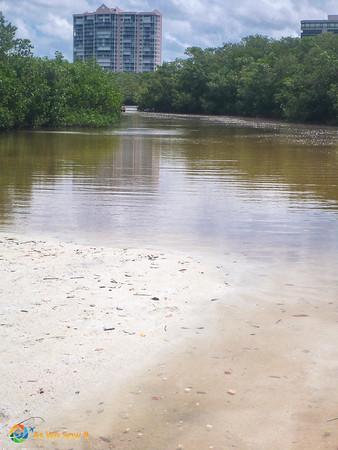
[(184, 180)]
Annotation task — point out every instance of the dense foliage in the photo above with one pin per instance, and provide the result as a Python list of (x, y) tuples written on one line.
[(41, 92), (131, 85), (294, 79), (291, 78)]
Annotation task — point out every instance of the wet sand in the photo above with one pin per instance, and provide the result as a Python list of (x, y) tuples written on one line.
[(159, 350)]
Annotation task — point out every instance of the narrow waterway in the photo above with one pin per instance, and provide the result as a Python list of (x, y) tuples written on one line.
[(251, 186)]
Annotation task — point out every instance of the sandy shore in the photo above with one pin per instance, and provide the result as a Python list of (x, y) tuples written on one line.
[(160, 350)]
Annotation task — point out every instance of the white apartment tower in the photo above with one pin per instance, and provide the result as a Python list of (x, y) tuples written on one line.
[(119, 41)]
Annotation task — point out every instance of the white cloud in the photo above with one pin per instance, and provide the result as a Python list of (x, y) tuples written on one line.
[(170, 38), (48, 23), (3, 6), (24, 31), (56, 26)]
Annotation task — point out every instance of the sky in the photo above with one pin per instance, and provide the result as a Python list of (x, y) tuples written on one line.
[(186, 23)]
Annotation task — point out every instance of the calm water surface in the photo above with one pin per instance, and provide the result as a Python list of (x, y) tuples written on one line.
[(262, 188)]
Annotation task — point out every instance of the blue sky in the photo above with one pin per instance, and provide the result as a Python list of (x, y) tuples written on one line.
[(48, 23)]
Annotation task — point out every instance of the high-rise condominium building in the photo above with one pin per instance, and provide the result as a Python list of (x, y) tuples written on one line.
[(315, 27), (119, 41)]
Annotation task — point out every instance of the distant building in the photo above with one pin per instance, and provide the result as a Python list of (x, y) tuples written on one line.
[(119, 41), (315, 27)]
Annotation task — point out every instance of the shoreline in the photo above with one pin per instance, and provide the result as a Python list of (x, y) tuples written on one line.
[(162, 350), (255, 122), (264, 122), (75, 312)]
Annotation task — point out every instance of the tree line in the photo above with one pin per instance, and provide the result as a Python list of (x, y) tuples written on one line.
[(41, 92), (291, 78)]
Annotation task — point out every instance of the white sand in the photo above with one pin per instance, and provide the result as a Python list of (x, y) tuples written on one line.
[(57, 300), (229, 356)]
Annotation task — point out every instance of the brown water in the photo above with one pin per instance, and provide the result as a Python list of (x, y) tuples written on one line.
[(261, 188)]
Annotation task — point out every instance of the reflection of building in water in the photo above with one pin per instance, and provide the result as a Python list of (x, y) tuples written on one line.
[(43, 167), (125, 187), (139, 156), (136, 161)]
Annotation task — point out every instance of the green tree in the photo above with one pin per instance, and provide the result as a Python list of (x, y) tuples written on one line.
[(38, 92), (9, 44), (290, 78)]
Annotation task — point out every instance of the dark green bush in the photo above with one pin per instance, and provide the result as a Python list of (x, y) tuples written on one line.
[(41, 92)]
